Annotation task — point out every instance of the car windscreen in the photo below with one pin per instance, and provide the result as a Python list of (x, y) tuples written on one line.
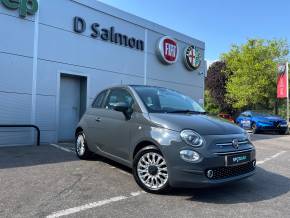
[(162, 100), (260, 114)]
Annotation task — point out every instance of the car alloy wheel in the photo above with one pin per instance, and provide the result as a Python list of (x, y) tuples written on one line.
[(150, 171), (81, 147)]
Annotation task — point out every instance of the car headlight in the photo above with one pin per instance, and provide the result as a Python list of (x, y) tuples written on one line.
[(192, 138)]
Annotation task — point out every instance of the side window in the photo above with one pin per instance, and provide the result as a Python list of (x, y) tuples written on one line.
[(118, 95), (99, 100)]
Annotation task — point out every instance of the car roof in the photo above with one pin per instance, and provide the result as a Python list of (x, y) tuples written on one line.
[(132, 85)]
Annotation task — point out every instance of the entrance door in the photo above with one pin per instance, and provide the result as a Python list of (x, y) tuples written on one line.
[(70, 107)]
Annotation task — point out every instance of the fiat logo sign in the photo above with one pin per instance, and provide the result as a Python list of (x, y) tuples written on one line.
[(167, 50)]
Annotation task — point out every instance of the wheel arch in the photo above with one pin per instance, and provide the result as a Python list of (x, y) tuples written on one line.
[(142, 144), (78, 129)]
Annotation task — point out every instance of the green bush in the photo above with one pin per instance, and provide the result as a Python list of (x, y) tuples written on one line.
[(210, 106)]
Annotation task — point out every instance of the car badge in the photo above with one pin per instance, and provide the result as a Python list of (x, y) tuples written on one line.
[(235, 143)]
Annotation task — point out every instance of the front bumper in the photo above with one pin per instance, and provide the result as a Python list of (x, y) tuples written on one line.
[(274, 126), (198, 179), (194, 175)]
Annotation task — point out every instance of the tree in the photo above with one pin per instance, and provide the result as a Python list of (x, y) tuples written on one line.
[(253, 68), (216, 85), (210, 106)]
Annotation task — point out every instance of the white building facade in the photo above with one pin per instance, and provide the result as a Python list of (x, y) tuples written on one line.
[(56, 55)]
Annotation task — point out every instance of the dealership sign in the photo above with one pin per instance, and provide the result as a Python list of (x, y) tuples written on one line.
[(192, 57), (25, 7), (282, 81), (167, 50), (107, 34)]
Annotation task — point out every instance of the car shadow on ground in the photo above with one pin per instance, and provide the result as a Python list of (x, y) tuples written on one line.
[(264, 185), (98, 158), (23, 156)]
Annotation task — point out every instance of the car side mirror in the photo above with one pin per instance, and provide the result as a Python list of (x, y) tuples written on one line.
[(124, 108)]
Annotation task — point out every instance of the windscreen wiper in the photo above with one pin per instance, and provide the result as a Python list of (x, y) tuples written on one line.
[(185, 112)]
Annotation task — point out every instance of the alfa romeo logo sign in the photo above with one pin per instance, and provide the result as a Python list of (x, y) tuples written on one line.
[(167, 50), (192, 57)]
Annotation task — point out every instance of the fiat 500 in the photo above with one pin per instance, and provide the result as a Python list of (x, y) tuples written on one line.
[(165, 137)]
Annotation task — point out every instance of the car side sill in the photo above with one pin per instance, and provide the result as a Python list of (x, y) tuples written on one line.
[(114, 158)]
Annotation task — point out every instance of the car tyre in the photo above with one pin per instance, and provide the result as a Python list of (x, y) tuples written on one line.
[(150, 170), (81, 146), (283, 132)]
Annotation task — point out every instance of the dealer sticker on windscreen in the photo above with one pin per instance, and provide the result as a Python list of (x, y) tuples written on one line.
[(237, 159)]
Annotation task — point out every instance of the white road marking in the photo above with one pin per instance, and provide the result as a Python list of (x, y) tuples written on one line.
[(92, 205), (86, 207), (271, 158), (62, 148), (134, 194)]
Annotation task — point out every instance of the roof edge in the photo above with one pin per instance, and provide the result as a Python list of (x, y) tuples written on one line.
[(120, 14)]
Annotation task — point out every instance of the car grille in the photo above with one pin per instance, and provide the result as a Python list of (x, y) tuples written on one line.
[(231, 171), (276, 123), (225, 144)]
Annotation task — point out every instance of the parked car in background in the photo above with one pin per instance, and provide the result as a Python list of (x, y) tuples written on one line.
[(258, 122), (227, 117)]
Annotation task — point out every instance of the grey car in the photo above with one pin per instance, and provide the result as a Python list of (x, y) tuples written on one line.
[(165, 137)]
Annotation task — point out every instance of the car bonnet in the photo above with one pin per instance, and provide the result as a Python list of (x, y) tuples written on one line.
[(203, 124)]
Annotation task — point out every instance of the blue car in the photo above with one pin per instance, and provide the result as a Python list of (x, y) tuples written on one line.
[(258, 122)]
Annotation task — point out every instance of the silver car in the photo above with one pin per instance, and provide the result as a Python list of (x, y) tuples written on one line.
[(165, 137)]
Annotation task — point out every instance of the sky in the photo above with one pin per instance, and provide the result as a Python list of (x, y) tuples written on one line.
[(219, 23)]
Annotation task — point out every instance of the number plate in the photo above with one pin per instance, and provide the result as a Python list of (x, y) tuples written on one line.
[(237, 159), (246, 123)]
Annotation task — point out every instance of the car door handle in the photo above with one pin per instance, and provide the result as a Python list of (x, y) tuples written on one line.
[(98, 119)]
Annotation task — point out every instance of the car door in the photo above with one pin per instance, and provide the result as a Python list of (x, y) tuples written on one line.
[(93, 118), (115, 137)]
